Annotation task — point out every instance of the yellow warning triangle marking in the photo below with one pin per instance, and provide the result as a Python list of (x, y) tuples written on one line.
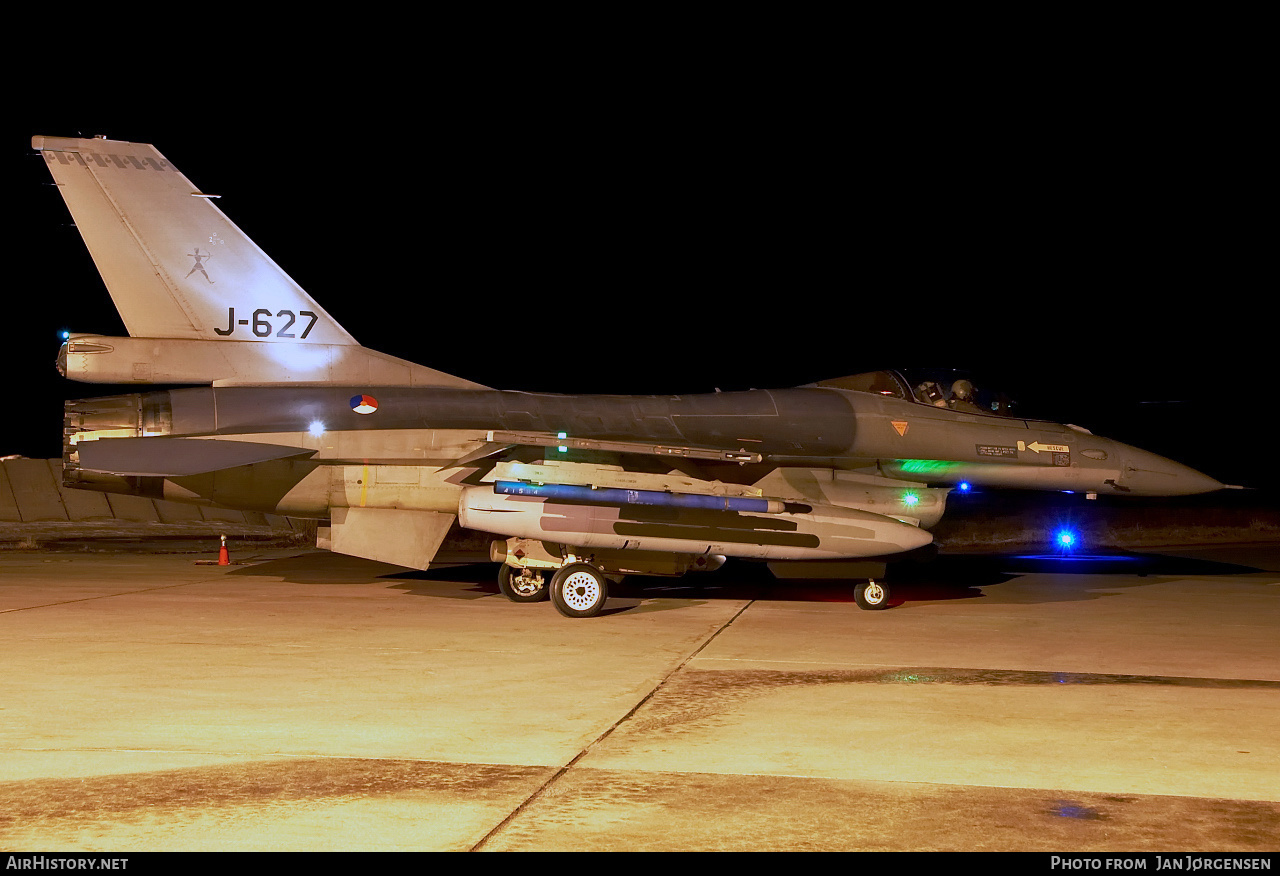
[(900, 426)]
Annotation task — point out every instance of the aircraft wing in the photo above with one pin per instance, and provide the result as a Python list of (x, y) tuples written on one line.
[(499, 442)]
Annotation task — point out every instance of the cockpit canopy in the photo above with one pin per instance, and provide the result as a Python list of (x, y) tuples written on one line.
[(940, 388)]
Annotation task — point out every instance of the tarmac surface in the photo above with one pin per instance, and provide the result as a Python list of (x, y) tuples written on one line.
[(309, 701)]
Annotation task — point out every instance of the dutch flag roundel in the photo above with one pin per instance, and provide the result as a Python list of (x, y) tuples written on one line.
[(364, 404)]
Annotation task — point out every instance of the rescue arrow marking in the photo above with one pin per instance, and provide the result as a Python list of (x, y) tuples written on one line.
[(1055, 448)]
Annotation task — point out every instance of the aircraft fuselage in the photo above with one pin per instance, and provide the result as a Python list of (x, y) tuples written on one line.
[(806, 427)]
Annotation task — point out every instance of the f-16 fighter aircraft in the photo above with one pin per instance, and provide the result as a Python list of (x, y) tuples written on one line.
[(291, 415)]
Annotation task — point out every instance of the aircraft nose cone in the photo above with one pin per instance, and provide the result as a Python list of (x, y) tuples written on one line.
[(1146, 474)]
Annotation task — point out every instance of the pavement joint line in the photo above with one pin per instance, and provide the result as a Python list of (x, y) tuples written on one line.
[(266, 754), (103, 596), (805, 662), (542, 790)]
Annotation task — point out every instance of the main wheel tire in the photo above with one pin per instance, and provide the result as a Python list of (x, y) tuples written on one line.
[(579, 590), (521, 588), (872, 596)]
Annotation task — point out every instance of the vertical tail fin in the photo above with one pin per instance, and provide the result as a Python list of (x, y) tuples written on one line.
[(212, 306), (175, 266)]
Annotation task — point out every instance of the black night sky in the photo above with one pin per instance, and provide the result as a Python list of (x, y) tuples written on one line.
[(1098, 258)]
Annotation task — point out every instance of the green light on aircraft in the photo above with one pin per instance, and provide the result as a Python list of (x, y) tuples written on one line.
[(927, 466)]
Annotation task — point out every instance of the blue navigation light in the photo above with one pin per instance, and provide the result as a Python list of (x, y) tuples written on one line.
[(964, 486), (316, 428), (1065, 539)]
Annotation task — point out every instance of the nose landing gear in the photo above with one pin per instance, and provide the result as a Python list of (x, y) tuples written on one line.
[(872, 596)]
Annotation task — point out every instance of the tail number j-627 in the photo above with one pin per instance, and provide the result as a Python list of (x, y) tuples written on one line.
[(261, 325)]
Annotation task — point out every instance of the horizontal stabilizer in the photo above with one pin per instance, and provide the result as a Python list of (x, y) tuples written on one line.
[(175, 457)]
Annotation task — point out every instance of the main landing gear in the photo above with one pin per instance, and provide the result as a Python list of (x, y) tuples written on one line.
[(577, 589), (523, 584)]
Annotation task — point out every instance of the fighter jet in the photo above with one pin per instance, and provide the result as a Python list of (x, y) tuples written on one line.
[(289, 414)]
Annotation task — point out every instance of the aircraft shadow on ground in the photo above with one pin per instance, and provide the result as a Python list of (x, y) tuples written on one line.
[(737, 581), (1045, 578)]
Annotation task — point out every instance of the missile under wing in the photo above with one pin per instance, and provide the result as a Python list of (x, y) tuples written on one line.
[(287, 413)]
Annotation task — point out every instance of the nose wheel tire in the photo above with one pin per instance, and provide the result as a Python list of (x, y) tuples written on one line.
[(579, 590), (873, 595), (522, 585)]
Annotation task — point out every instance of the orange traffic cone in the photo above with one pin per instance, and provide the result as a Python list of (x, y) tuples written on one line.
[(223, 558)]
